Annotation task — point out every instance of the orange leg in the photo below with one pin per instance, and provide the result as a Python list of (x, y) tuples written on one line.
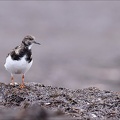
[(22, 84), (12, 80)]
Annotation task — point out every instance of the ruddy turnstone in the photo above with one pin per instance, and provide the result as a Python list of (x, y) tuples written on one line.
[(19, 60)]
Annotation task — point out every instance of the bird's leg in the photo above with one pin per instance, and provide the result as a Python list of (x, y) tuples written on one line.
[(22, 84), (12, 80)]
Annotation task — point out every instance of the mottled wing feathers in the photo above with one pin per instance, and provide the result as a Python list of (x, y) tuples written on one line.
[(19, 52)]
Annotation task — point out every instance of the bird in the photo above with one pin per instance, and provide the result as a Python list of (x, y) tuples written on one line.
[(19, 60)]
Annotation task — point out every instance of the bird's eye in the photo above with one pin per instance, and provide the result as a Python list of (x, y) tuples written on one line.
[(29, 43)]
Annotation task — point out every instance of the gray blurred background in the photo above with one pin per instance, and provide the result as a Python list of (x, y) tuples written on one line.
[(80, 41)]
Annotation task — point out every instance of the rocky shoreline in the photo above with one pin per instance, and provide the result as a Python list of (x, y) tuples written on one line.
[(40, 102)]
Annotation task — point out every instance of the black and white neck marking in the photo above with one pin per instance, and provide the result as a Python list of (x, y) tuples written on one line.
[(24, 49), (20, 52)]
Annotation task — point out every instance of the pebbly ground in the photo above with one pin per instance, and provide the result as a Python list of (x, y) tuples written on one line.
[(39, 102)]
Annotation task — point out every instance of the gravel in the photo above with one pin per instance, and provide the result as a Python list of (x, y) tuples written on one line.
[(40, 102)]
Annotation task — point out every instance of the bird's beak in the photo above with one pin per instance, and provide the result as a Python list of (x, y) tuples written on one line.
[(36, 43)]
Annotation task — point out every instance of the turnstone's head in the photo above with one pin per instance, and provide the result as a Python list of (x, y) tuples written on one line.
[(29, 40)]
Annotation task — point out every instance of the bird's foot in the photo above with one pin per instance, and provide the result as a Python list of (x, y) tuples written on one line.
[(14, 84), (22, 86)]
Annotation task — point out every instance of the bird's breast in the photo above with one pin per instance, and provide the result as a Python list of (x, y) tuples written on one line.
[(17, 66)]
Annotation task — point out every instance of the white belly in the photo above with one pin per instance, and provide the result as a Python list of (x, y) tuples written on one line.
[(17, 66)]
